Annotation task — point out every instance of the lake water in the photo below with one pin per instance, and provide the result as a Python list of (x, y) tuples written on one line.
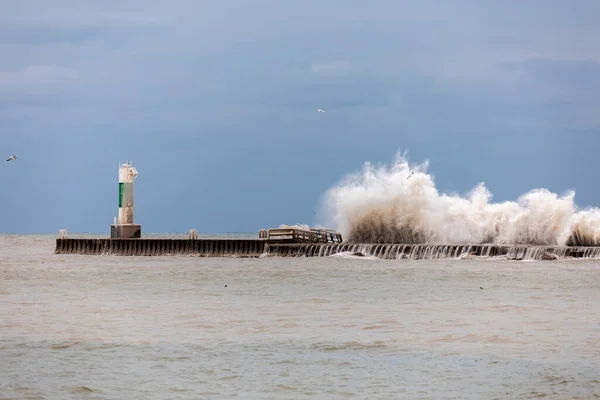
[(109, 327)]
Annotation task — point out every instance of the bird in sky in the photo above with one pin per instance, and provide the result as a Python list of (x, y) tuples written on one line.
[(11, 158), (319, 110), (411, 174)]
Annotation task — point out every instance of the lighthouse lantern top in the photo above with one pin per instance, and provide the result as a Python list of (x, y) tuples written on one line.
[(127, 173)]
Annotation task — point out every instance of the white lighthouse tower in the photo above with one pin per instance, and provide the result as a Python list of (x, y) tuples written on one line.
[(124, 226)]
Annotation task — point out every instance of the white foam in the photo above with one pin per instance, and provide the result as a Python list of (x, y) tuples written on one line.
[(352, 255), (296, 226)]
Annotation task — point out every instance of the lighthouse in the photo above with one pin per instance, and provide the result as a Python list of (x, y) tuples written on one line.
[(124, 226)]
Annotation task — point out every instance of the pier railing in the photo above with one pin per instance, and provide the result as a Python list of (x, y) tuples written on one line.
[(293, 235)]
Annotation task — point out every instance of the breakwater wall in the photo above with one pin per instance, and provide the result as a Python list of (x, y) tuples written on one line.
[(162, 247), (433, 251), (263, 248)]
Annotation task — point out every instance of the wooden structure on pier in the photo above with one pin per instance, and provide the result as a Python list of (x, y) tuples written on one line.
[(295, 235)]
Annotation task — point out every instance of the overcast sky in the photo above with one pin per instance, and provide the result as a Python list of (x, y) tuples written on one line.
[(215, 104)]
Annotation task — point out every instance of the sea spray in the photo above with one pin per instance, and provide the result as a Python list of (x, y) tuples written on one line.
[(401, 204), (295, 226), (585, 228)]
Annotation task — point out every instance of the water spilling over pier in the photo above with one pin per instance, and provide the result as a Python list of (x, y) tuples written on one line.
[(433, 251)]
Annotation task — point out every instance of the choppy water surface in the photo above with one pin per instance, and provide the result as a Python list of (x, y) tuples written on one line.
[(100, 327)]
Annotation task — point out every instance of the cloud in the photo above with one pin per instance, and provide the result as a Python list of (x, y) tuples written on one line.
[(336, 66), (580, 74), (568, 89), (38, 74), (33, 22), (240, 80)]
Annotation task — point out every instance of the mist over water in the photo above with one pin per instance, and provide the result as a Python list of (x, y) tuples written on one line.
[(400, 203)]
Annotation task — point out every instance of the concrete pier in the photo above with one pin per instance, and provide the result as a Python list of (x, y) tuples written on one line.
[(254, 248), (433, 251), (162, 247)]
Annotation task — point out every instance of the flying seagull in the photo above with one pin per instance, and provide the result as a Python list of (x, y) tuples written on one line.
[(319, 110), (411, 174), (11, 158)]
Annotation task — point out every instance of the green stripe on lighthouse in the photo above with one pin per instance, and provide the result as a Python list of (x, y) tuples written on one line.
[(120, 194)]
